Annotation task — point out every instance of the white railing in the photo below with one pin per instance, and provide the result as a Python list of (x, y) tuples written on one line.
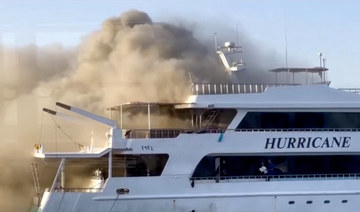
[(173, 133), (276, 177), (80, 190), (236, 88), (351, 90), (226, 88), (165, 133)]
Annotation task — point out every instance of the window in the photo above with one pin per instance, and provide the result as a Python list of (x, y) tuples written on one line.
[(212, 166), (214, 118), (308, 120), (81, 174), (168, 116), (138, 165), (299, 120)]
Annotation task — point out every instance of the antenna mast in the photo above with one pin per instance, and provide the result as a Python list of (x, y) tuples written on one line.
[(286, 51), (215, 42), (237, 34)]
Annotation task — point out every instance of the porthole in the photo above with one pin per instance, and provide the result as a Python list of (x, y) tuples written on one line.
[(344, 201), (327, 201), (291, 202), (309, 202)]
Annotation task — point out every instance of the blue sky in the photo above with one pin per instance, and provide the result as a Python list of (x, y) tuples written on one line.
[(311, 26)]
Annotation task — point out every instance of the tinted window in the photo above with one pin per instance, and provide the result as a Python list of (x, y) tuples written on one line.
[(218, 118), (277, 165), (138, 165), (299, 120), (308, 120)]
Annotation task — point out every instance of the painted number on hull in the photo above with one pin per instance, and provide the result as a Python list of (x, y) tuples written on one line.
[(148, 148)]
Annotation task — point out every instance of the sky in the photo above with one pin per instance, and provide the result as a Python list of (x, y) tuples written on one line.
[(309, 26)]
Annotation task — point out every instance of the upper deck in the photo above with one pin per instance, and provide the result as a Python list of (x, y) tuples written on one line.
[(231, 88), (239, 88), (307, 77), (216, 108)]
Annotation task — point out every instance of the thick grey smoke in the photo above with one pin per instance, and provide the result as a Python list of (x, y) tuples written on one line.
[(131, 58), (21, 69)]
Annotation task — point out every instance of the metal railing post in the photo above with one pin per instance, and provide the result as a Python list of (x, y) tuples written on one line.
[(57, 175)]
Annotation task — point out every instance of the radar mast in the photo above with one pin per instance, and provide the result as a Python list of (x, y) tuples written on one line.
[(229, 55)]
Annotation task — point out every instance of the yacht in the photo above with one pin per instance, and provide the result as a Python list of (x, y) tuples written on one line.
[(227, 148)]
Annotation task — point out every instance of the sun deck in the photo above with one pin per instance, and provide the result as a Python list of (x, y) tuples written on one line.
[(231, 88), (237, 88)]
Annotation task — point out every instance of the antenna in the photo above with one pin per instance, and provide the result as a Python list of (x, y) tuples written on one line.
[(237, 34), (320, 55), (320, 73), (237, 39), (190, 78), (215, 42), (191, 83), (324, 60), (286, 50)]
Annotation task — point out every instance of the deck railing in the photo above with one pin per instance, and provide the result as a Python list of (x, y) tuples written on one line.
[(279, 177), (166, 133), (236, 88), (227, 88), (300, 130), (351, 90), (173, 133), (82, 190)]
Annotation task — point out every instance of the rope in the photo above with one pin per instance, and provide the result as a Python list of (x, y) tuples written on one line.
[(41, 127), (80, 146), (61, 201), (56, 135), (114, 203)]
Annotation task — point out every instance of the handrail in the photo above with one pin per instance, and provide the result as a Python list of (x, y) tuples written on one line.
[(231, 88), (173, 133), (53, 186), (351, 90), (299, 130), (279, 177), (83, 190), (238, 88), (165, 133)]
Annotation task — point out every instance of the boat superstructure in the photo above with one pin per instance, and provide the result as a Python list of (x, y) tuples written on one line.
[(229, 147)]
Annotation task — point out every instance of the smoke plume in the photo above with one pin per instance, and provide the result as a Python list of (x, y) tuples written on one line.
[(131, 58)]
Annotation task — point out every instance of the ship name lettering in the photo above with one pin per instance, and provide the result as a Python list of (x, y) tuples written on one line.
[(307, 142)]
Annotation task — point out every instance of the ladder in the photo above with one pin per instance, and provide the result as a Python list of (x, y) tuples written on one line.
[(210, 118)]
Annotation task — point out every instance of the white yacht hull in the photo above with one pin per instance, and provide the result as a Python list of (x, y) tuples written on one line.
[(156, 195), (230, 168)]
